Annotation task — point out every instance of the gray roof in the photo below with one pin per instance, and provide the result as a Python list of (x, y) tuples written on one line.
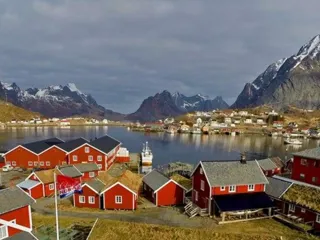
[(13, 198), (155, 179), (22, 235), (40, 146), (105, 143), (70, 171), (72, 144), (86, 167), (267, 164), (224, 173), (313, 153), (277, 187), (96, 185), (28, 184)]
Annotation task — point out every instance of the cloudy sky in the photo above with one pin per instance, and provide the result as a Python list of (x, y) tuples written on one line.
[(122, 51)]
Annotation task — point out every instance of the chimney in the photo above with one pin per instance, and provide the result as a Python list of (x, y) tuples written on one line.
[(243, 158)]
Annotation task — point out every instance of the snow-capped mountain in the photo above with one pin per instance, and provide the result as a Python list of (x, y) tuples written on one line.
[(289, 81), (165, 104), (58, 101)]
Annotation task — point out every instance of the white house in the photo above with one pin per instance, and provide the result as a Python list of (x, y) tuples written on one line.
[(64, 123), (199, 122), (243, 113), (105, 121), (248, 121), (227, 120), (260, 121), (273, 113)]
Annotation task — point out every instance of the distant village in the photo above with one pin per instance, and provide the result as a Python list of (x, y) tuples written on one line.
[(231, 123)]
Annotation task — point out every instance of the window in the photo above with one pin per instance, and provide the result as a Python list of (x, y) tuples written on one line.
[(75, 158), (82, 199), (35, 163), (51, 186), (47, 163), (29, 163), (202, 185), (91, 200), (303, 162), (14, 163), (201, 171), (91, 174), (222, 188), (318, 218), (303, 210), (90, 158), (314, 179), (196, 195), (99, 158), (292, 208), (100, 166), (118, 199), (3, 232), (41, 163), (232, 188), (144, 187), (302, 176), (86, 149), (251, 187)]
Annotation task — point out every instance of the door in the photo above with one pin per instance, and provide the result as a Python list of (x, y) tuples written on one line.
[(3, 232)]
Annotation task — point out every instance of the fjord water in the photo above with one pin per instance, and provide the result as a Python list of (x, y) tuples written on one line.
[(165, 147)]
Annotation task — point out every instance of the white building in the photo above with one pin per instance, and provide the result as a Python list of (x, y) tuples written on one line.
[(64, 123), (243, 113), (273, 113), (199, 122), (227, 120), (260, 121), (105, 121), (38, 121), (248, 121)]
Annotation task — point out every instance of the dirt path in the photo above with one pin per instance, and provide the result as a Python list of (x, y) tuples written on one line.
[(163, 216)]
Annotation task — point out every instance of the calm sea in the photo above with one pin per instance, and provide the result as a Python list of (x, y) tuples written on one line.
[(165, 147)]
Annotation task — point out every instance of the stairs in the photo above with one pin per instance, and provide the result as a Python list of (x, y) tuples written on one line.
[(191, 210)]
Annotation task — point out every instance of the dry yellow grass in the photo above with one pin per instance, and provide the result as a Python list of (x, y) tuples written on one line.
[(106, 229), (185, 182), (304, 196), (10, 112)]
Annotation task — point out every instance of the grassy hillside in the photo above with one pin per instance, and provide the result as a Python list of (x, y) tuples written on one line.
[(9, 111)]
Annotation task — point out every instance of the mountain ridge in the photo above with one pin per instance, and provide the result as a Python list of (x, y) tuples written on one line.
[(289, 81)]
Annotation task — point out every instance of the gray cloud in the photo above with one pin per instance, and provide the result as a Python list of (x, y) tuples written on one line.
[(123, 51)]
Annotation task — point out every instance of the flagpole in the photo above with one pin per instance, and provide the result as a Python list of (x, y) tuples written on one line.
[(56, 204)]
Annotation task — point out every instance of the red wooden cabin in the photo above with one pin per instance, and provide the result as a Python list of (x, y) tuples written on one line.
[(271, 166), (296, 201), (306, 166), (46, 178), (32, 187), (15, 214), (221, 187), (69, 171), (90, 196), (161, 190), (89, 171), (31, 155), (122, 193)]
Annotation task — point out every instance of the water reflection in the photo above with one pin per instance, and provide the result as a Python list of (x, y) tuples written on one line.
[(165, 147)]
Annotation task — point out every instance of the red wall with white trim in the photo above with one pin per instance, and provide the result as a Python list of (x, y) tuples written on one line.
[(129, 201)]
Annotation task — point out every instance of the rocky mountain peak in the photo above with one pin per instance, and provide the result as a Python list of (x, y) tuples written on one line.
[(288, 81)]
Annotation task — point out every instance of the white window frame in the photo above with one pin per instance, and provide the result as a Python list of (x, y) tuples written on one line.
[(201, 170), (303, 210), (99, 158), (14, 163), (74, 157), (222, 188), (91, 200), (318, 218), (90, 158), (303, 162), (51, 186), (30, 163), (48, 163), (91, 175), (314, 179), (251, 187), (118, 199), (302, 176), (41, 163), (292, 208), (232, 188), (35, 163), (196, 196), (86, 149), (100, 166), (202, 185), (82, 199), (4, 231)]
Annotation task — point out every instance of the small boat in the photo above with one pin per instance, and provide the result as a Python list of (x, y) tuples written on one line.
[(146, 155), (292, 141)]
